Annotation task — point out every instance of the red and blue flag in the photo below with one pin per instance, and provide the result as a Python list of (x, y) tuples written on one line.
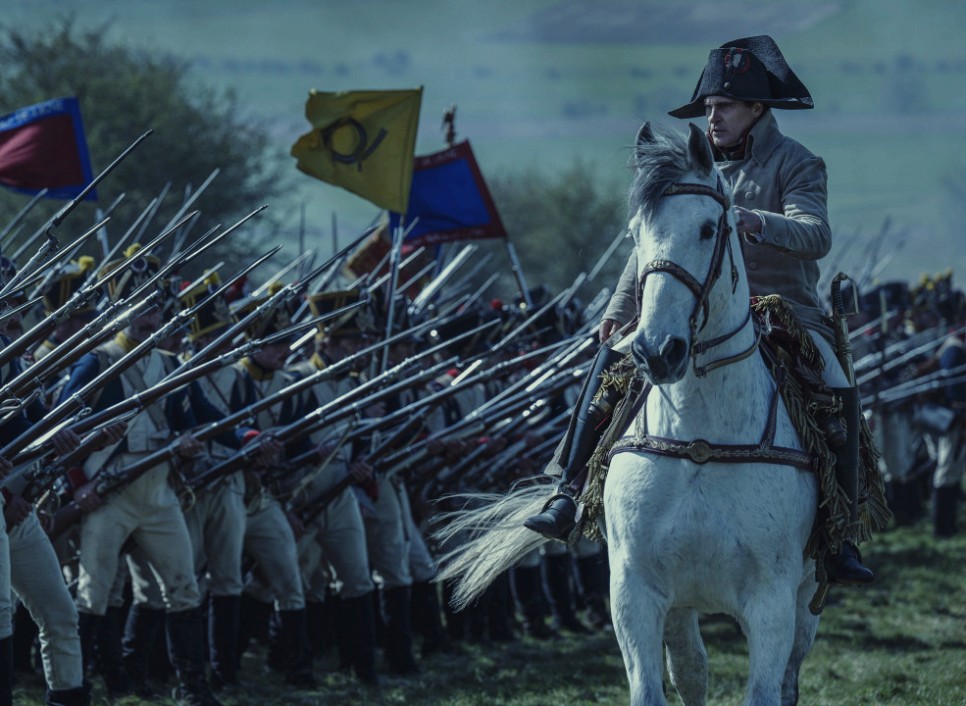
[(42, 146), (450, 199)]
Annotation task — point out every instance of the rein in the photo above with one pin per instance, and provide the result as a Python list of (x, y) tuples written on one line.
[(702, 291)]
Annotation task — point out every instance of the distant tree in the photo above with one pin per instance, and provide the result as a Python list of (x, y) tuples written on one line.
[(562, 223), (123, 91)]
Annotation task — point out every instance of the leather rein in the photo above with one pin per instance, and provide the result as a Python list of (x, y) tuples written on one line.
[(702, 292), (700, 451)]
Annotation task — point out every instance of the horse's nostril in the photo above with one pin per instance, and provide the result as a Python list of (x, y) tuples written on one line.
[(673, 350)]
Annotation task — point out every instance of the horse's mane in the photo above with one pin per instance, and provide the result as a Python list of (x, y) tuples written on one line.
[(658, 163)]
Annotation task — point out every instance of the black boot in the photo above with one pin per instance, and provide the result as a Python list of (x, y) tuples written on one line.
[(253, 621), (399, 634), (945, 502), (530, 595), (6, 671), (318, 617), (107, 646), (294, 645), (357, 630), (593, 572), (559, 516), (560, 582), (428, 620), (846, 567), (25, 633), (81, 696), (185, 631), (142, 630), (223, 612)]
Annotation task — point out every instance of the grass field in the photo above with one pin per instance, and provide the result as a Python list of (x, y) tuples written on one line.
[(900, 642)]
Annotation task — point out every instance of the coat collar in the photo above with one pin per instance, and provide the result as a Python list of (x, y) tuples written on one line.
[(763, 139)]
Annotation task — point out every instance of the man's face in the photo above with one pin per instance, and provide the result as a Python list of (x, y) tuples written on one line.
[(141, 328), (729, 120), (272, 357)]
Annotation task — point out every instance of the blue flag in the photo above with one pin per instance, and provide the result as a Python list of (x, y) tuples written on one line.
[(450, 199)]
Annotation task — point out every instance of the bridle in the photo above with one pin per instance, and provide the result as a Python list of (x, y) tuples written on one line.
[(698, 450), (702, 291)]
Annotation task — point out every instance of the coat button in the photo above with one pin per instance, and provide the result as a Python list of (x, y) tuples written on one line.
[(752, 265), (749, 196)]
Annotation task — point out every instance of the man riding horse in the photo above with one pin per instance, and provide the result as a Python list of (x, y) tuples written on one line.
[(779, 191)]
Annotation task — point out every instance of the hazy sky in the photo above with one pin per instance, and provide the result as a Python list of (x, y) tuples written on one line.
[(544, 82)]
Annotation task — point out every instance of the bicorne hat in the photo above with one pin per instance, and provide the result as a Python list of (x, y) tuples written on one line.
[(749, 69)]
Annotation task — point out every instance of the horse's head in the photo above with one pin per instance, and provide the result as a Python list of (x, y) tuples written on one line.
[(688, 272)]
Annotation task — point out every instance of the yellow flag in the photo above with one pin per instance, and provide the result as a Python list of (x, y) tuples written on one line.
[(362, 141)]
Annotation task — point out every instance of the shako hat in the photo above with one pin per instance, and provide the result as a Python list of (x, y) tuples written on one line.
[(748, 69), (353, 324), (66, 284), (213, 315), (138, 271)]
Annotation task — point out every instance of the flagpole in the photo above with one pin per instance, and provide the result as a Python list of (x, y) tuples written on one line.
[(518, 272)]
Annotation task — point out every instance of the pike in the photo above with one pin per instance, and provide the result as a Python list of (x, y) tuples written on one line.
[(51, 244)]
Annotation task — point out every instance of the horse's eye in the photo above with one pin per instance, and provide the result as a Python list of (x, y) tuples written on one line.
[(707, 231)]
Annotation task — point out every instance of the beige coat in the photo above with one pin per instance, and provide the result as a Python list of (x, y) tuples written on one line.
[(787, 185)]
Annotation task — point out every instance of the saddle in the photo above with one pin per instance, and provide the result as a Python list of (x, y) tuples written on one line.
[(791, 356)]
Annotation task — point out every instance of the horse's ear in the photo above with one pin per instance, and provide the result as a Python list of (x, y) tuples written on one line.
[(699, 149), (645, 134)]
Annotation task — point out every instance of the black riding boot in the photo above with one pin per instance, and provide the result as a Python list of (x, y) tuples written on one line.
[(945, 502), (81, 696), (141, 633), (357, 627), (107, 646), (6, 671), (185, 630), (253, 619), (429, 622), (223, 612), (561, 584), (399, 634), (293, 646), (846, 566), (559, 516)]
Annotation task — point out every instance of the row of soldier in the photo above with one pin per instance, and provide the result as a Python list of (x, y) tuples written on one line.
[(911, 363), (215, 466)]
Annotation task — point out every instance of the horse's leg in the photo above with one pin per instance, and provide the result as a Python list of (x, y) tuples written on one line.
[(638, 615), (687, 660), (769, 626), (806, 626)]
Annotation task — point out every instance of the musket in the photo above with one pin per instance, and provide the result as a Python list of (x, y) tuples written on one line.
[(21, 214), (315, 507), (76, 401), (277, 277), (43, 327), (51, 244), (92, 341), (24, 280), (103, 326), (427, 293), (479, 424), (922, 383), (188, 203), (900, 348), (475, 422), (346, 405), (8, 312), (895, 362)]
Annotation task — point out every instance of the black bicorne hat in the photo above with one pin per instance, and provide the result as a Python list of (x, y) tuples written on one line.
[(749, 69)]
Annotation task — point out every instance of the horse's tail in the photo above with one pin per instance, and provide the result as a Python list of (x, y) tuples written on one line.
[(487, 537)]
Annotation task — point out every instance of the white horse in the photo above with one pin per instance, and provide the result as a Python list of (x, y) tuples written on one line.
[(707, 506)]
